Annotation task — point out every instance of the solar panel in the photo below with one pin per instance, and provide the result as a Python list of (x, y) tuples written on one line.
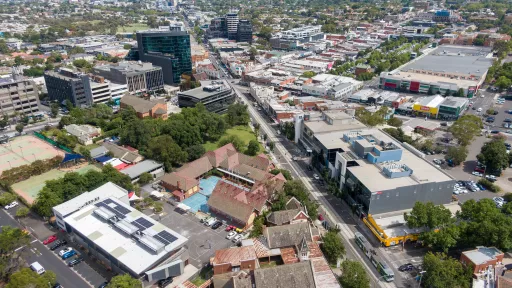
[(118, 214), (121, 209), (138, 225), (165, 237), (144, 222)]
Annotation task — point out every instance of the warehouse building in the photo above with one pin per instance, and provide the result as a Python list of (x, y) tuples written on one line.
[(444, 71), (382, 175), (126, 240)]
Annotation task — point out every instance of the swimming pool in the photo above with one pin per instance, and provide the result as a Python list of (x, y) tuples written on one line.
[(197, 202)]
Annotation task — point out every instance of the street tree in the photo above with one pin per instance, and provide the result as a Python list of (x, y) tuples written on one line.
[(494, 155), (444, 271), (353, 275), (428, 215), (27, 278), (10, 260), (395, 122), (332, 246), (287, 175), (135, 133), (503, 83), (309, 74), (124, 281), (252, 148), (466, 128), (54, 109), (4, 122), (22, 212), (460, 93), (19, 127), (271, 146), (457, 154)]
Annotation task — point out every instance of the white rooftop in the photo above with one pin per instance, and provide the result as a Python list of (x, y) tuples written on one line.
[(119, 239), (104, 191)]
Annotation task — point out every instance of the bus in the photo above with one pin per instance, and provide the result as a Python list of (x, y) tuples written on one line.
[(387, 274)]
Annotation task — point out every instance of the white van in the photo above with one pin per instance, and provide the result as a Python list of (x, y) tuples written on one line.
[(37, 268)]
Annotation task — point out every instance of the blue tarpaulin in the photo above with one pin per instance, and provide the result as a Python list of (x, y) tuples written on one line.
[(103, 159), (71, 157)]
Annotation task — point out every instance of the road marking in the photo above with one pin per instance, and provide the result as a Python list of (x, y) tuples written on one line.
[(19, 248), (34, 241)]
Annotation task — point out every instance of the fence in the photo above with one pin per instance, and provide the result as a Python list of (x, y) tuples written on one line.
[(42, 137)]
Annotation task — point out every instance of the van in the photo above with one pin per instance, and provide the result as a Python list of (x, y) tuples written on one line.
[(210, 222), (37, 268)]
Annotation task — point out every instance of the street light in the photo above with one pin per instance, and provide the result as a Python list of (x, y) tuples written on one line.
[(421, 277)]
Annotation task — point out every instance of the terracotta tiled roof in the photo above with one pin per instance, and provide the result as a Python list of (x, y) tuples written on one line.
[(234, 256), (177, 180), (324, 277), (230, 200), (289, 255)]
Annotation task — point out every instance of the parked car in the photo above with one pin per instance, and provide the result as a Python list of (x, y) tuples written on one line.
[(11, 205), (210, 222), (479, 110), (103, 285), (216, 225), (164, 282), (75, 261), (57, 285), (68, 255), (50, 239), (316, 177), (231, 234), (58, 244), (406, 267), (230, 227), (478, 174), (65, 250), (236, 238)]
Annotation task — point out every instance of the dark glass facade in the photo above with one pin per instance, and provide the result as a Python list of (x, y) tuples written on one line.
[(169, 50)]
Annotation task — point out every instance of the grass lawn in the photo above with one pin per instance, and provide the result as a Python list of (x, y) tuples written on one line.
[(204, 275), (267, 265), (244, 132), (89, 147), (132, 27)]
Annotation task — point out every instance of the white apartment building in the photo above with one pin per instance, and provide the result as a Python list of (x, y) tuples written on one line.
[(261, 93), (332, 86)]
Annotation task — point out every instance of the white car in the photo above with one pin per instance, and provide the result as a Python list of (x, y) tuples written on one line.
[(236, 238), (479, 109), (231, 234), (316, 177), (64, 251), (476, 173), (498, 200), (11, 205)]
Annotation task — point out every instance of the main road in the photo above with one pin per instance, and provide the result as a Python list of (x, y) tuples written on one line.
[(335, 209), (36, 251)]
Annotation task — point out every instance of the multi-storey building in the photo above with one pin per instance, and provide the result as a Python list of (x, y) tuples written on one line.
[(167, 49), (66, 84), (296, 37), (139, 77), (218, 28), (232, 24), (18, 95), (215, 95), (244, 31)]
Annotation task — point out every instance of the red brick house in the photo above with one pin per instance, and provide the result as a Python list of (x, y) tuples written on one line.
[(482, 258)]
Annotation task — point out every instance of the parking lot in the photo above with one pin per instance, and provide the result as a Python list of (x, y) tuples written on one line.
[(203, 240)]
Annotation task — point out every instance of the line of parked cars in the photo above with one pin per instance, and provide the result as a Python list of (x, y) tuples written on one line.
[(65, 253), (463, 187), (499, 201)]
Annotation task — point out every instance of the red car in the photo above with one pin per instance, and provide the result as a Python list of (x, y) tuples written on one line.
[(50, 240), (230, 227)]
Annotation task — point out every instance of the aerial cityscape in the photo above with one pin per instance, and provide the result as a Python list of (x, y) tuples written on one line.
[(255, 144)]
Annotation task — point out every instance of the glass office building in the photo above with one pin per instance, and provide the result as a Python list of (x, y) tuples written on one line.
[(167, 49)]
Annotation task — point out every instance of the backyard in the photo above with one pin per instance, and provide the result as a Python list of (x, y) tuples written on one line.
[(245, 133)]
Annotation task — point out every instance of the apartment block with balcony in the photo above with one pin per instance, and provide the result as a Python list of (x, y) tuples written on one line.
[(18, 95)]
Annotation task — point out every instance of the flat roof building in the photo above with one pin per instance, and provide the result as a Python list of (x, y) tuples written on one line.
[(18, 95), (216, 96), (106, 190), (444, 71), (139, 77), (452, 107), (381, 174), (125, 239), (147, 166)]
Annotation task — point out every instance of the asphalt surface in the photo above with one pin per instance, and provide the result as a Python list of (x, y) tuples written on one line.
[(51, 262), (332, 207)]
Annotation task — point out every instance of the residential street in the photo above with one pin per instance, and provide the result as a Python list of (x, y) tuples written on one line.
[(38, 252)]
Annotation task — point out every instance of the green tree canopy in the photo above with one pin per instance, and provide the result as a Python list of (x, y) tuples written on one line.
[(309, 74), (395, 122), (165, 150), (19, 127), (503, 83), (466, 128), (233, 139), (10, 261), (195, 152), (237, 114), (26, 278), (457, 154), (145, 178), (353, 275), (332, 246), (124, 281), (253, 148), (443, 271), (494, 155), (287, 175)]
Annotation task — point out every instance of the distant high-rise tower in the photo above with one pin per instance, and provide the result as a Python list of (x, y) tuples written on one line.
[(232, 23)]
